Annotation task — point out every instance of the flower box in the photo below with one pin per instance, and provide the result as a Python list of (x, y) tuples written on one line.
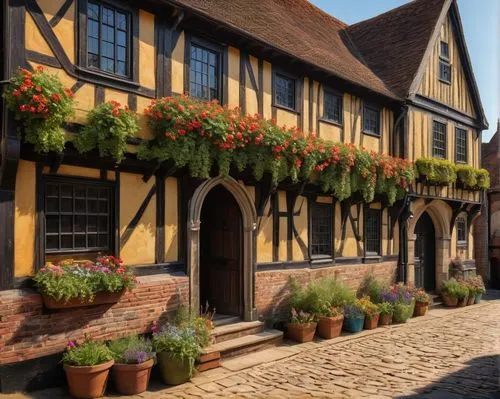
[(100, 298)]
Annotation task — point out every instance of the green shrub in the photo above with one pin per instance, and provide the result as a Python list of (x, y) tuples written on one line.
[(90, 353), (402, 312), (133, 349), (437, 171), (386, 308), (371, 287), (453, 288)]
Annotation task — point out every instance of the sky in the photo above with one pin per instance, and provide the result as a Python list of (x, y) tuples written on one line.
[(480, 20)]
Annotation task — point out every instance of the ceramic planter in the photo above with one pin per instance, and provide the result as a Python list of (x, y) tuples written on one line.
[(301, 332), (174, 370), (87, 382), (471, 300), (354, 324), (450, 301), (100, 298), (371, 323), (462, 301), (478, 298), (385, 319), (330, 327), (132, 379), (420, 309)]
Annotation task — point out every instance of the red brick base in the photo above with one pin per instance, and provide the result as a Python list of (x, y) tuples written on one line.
[(27, 331), (272, 288)]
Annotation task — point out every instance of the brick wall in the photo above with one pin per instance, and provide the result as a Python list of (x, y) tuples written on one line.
[(27, 331), (272, 287)]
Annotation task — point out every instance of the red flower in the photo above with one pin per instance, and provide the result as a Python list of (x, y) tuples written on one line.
[(55, 97), (115, 112), (68, 92), (38, 89), (39, 68)]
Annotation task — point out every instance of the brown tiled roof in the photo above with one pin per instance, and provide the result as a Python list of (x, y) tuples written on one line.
[(298, 28), (393, 44)]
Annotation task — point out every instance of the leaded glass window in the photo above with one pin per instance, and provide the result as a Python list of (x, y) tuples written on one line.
[(321, 229), (439, 139), (372, 231), (284, 91), (204, 73)]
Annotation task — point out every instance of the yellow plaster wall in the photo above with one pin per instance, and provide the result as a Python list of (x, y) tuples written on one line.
[(286, 118), (457, 93), (171, 220), (233, 77), (178, 66), (115, 95), (265, 236), (24, 222), (147, 76), (140, 248), (267, 90), (252, 104), (70, 170), (330, 132), (34, 39), (301, 222), (282, 252)]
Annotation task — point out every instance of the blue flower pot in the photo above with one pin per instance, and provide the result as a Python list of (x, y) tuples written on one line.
[(354, 325), (478, 298)]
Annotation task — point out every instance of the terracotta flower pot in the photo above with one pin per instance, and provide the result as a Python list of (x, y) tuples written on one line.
[(420, 309), (132, 379), (301, 332), (87, 382), (450, 301), (371, 323), (99, 299), (330, 327), (385, 319), (174, 370), (471, 300), (462, 301)]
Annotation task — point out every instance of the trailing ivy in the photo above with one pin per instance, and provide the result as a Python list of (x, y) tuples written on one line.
[(40, 102), (108, 127), (444, 172), (198, 134)]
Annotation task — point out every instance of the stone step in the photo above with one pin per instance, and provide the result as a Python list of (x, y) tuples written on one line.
[(222, 320), (436, 300), (245, 344), (226, 332)]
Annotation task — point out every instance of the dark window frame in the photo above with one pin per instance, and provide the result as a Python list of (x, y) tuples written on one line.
[(444, 64), (338, 95), (378, 239), (461, 157), (296, 87), (461, 227), (447, 55), (372, 107), (435, 149), (322, 207), (110, 214), (132, 80)]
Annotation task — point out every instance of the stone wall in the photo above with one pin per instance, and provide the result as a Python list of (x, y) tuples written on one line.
[(272, 288)]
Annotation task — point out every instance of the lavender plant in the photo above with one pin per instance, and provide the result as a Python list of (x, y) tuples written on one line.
[(133, 349)]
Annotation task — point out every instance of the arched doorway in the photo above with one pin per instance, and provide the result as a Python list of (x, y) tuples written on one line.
[(221, 283), (425, 253)]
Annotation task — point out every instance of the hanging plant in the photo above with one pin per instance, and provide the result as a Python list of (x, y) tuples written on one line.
[(198, 134), (108, 127), (436, 171), (472, 178), (41, 103)]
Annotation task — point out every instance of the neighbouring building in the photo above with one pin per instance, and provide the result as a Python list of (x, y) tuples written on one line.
[(400, 83), (487, 225)]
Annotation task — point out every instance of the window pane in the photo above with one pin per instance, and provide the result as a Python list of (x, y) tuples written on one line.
[(52, 224), (461, 144), (203, 72), (121, 38), (66, 224), (284, 91), (108, 16), (439, 140), (321, 231), (121, 21), (52, 242), (372, 231), (93, 11), (332, 109), (371, 120), (66, 241), (93, 45), (66, 205), (93, 60), (93, 29), (445, 51), (52, 204), (79, 240)]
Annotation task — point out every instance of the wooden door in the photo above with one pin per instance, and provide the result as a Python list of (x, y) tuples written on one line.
[(220, 268), (425, 253)]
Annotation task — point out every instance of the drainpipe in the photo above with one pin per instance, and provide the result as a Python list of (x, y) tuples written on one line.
[(403, 217)]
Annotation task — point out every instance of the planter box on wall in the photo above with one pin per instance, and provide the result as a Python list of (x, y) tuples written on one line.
[(100, 298)]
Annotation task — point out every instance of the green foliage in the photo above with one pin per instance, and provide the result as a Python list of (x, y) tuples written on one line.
[(197, 135), (301, 317), (371, 287), (200, 324), (386, 308), (41, 103), (471, 178), (108, 127), (454, 288), (436, 171), (83, 281), (133, 349), (90, 353), (369, 308), (180, 342), (476, 285), (402, 312)]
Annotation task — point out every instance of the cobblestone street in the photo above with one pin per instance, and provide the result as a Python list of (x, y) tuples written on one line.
[(451, 353)]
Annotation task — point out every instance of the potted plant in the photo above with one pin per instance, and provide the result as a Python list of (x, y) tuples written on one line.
[(449, 292), (422, 302), (177, 349), (462, 294), (302, 326), (371, 312), (72, 284), (354, 317), (87, 368), (134, 359), (330, 323), (401, 298), (477, 288), (386, 310)]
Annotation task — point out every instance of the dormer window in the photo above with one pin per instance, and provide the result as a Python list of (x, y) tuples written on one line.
[(444, 63)]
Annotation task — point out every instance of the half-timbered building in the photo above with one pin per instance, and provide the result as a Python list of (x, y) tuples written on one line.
[(400, 83)]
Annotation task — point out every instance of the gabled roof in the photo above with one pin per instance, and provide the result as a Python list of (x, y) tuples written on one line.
[(298, 28), (393, 44)]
